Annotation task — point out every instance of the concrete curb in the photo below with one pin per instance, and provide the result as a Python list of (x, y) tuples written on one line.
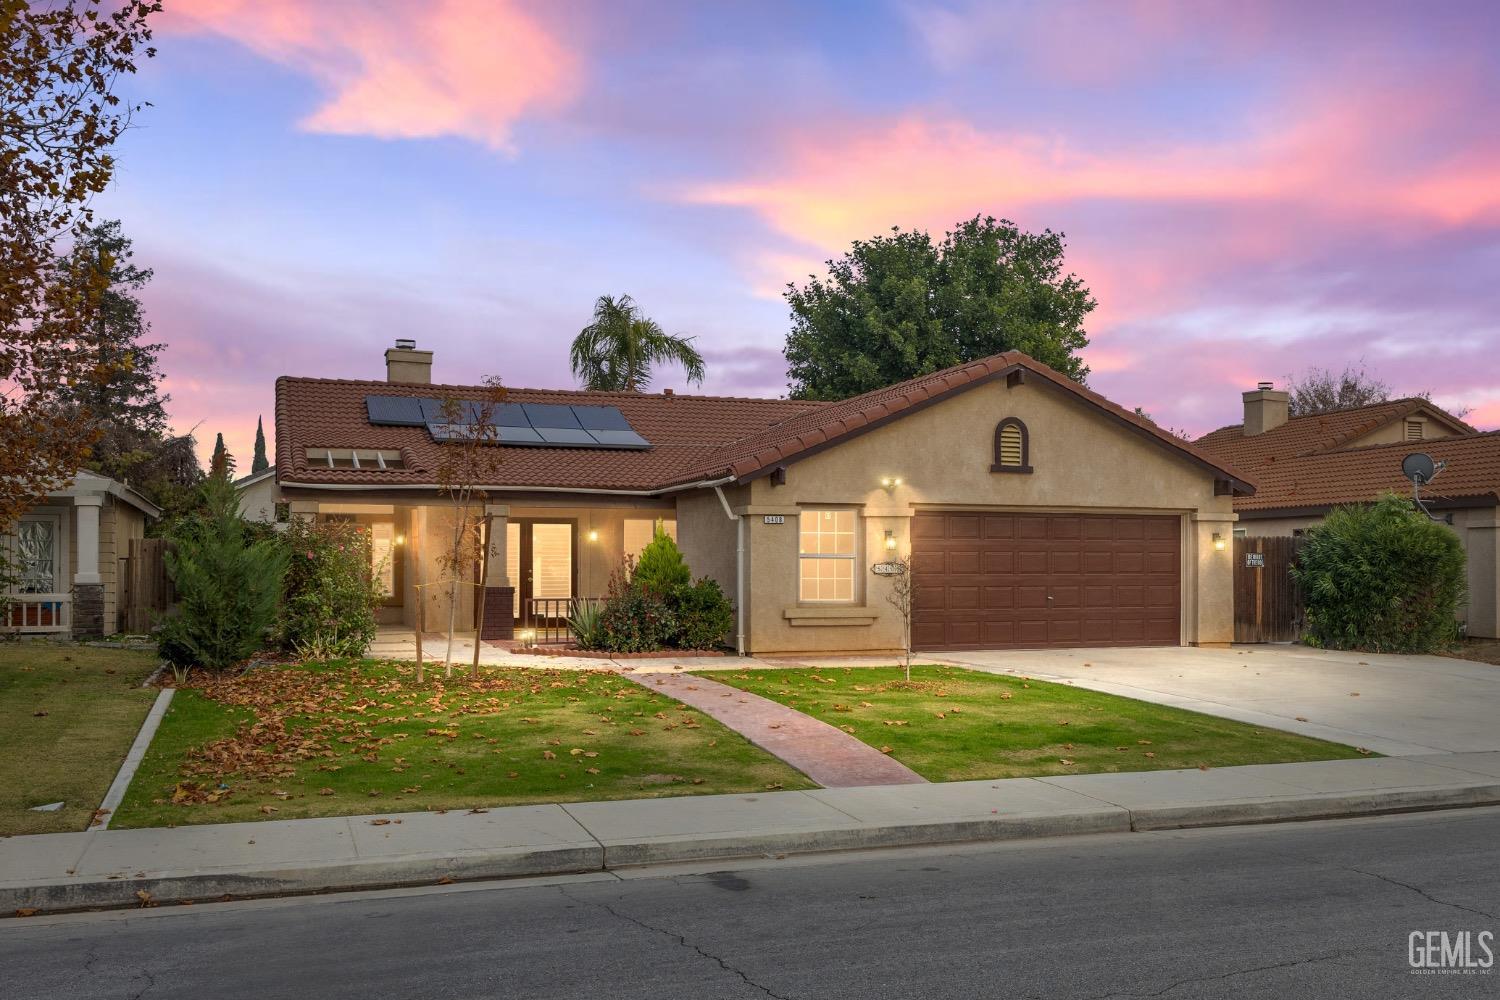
[(97, 892), (133, 758)]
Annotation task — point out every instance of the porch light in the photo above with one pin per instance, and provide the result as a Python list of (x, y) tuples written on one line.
[(1218, 542), (527, 636), (890, 482), (890, 540), (400, 539), (593, 536)]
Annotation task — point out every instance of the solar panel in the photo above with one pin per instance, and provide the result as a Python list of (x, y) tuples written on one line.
[(545, 425), (547, 415), (600, 418), (395, 411)]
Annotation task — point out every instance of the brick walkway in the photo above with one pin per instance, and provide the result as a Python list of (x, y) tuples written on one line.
[(824, 753)]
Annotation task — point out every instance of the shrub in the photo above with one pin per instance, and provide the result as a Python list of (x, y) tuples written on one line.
[(1381, 577), (331, 595), (228, 585), (661, 567), (635, 618), (704, 615)]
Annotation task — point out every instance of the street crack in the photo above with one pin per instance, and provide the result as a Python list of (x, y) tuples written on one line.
[(1220, 977), (681, 939)]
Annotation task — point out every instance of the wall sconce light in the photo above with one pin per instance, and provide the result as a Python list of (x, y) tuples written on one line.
[(890, 482), (527, 637), (400, 539), (593, 536), (1218, 542), (890, 540)]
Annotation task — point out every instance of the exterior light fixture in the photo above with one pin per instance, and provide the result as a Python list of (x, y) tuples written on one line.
[(890, 540), (1218, 542), (593, 536), (527, 637), (400, 539), (890, 482)]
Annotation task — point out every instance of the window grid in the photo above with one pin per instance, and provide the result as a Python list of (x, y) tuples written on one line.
[(826, 553), (381, 459)]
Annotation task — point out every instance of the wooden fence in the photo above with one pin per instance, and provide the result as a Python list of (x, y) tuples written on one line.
[(145, 590), (1267, 601)]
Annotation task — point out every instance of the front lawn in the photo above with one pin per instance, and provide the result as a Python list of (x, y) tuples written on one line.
[(951, 724), (361, 737), (68, 714)]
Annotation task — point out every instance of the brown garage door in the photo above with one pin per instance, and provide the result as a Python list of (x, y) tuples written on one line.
[(996, 581)]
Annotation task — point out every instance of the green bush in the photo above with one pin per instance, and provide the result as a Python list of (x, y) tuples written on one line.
[(704, 615), (661, 567), (331, 595), (1381, 577), (228, 585), (635, 618)]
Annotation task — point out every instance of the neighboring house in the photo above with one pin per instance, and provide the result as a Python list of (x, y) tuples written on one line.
[(65, 557), (1304, 466), (257, 493), (1037, 513)]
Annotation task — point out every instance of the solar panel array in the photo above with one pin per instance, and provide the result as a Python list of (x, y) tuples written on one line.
[(540, 425)]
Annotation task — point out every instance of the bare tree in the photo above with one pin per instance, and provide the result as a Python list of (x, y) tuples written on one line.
[(901, 597), (469, 462), (1322, 390)]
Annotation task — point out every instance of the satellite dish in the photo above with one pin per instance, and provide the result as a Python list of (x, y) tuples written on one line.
[(1418, 467)]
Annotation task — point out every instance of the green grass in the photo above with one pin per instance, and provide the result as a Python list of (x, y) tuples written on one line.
[(951, 724), (362, 737), (68, 714)]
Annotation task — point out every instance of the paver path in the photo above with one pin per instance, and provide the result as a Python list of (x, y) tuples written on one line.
[(824, 753)]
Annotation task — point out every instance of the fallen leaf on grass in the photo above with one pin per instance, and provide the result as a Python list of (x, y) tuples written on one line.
[(1363, 751), (268, 810), (325, 791), (548, 755), (1150, 754), (885, 749), (1065, 762)]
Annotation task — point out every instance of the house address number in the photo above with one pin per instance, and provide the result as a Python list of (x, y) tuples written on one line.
[(775, 519)]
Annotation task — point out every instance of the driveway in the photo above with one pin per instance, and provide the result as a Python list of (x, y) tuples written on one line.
[(1394, 705)]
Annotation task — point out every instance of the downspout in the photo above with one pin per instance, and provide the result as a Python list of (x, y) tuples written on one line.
[(739, 570)]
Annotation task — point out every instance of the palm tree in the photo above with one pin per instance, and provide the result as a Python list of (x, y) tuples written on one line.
[(616, 351)]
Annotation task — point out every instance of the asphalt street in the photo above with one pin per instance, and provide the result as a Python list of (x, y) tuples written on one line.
[(1295, 910)]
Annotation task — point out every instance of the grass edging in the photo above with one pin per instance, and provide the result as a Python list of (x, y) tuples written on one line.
[(133, 758)]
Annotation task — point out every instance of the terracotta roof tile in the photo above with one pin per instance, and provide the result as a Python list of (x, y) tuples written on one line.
[(1314, 433)]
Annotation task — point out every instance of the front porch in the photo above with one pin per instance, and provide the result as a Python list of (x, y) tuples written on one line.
[(539, 562)]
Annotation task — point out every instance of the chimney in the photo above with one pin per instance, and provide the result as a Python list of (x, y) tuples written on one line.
[(404, 363), (1265, 409)]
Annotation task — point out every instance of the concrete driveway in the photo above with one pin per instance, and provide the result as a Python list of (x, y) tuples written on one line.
[(1395, 705)]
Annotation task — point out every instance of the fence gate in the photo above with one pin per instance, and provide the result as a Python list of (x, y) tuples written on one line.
[(1267, 601), (146, 592)]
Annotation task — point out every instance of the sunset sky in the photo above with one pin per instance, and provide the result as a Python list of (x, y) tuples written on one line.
[(1249, 189)]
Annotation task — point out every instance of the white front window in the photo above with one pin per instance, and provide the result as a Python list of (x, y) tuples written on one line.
[(826, 550), (37, 555)]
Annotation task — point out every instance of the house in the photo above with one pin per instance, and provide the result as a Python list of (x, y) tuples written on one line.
[(1305, 466), (1036, 512), (257, 496), (65, 556)]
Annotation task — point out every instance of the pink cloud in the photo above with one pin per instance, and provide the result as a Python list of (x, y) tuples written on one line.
[(468, 68)]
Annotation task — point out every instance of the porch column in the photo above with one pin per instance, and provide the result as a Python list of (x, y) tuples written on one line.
[(499, 589), (88, 586)]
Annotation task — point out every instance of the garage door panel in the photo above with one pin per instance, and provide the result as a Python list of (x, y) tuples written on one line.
[(984, 579)]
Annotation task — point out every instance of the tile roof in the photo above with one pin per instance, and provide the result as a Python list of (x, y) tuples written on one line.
[(1305, 461), (694, 438), (1354, 475)]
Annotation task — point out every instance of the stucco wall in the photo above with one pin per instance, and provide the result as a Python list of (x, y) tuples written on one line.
[(1083, 461), (258, 501)]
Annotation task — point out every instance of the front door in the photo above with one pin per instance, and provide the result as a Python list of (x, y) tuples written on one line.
[(539, 559)]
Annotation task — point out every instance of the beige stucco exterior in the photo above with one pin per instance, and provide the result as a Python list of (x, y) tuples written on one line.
[(1082, 460)]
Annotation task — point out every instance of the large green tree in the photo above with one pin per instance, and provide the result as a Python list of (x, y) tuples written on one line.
[(898, 306), (616, 352)]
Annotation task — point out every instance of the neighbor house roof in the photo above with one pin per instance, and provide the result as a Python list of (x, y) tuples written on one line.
[(1354, 475), (1314, 433), (695, 439)]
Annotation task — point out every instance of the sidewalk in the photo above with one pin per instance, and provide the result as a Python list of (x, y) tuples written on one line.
[(114, 867)]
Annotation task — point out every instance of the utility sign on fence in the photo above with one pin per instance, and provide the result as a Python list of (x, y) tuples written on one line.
[(1255, 560)]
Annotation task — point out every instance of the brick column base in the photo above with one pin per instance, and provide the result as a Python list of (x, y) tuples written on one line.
[(499, 617), (88, 610)]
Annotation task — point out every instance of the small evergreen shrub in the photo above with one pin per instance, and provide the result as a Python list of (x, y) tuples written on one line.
[(331, 594), (704, 615), (635, 618), (228, 585), (661, 567), (1381, 577)]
